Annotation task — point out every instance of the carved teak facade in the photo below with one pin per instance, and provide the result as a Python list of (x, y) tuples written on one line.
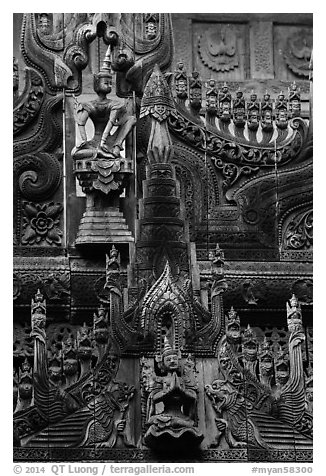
[(163, 237)]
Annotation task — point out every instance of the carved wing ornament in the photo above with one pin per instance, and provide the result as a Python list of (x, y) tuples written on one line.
[(29, 103), (148, 52), (298, 234)]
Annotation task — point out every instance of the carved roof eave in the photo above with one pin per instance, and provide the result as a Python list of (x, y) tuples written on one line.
[(247, 157)]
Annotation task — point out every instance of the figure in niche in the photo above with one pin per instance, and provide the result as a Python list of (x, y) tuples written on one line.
[(172, 406), (106, 114)]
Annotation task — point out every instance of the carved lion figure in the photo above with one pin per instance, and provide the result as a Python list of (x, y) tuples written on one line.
[(232, 418)]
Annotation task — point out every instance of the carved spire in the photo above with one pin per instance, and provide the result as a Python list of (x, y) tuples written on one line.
[(158, 103)]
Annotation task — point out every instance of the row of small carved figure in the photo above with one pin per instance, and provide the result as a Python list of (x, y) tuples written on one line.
[(221, 102)]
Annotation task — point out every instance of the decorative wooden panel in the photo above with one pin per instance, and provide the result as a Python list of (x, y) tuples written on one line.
[(220, 50)]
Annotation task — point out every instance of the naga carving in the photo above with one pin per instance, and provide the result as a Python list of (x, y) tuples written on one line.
[(232, 418)]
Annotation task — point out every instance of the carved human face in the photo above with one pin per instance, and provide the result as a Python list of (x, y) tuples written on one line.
[(104, 84), (171, 362), (268, 116)]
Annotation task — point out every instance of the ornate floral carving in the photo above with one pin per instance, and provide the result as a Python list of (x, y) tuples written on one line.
[(40, 223), (217, 48), (298, 232)]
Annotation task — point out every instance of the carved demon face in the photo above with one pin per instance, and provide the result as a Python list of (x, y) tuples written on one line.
[(26, 389), (266, 365), (233, 333), (282, 374), (250, 350), (220, 393)]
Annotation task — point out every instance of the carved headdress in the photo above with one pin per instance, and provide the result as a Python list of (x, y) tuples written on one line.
[(249, 336)]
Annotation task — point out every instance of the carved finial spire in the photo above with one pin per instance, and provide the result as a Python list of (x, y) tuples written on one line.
[(157, 100), (106, 66), (167, 349), (158, 103)]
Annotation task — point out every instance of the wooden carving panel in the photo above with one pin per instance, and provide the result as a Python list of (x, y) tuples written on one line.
[(220, 49), (292, 51)]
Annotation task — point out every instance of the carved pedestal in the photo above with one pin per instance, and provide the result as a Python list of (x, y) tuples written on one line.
[(102, 179)]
